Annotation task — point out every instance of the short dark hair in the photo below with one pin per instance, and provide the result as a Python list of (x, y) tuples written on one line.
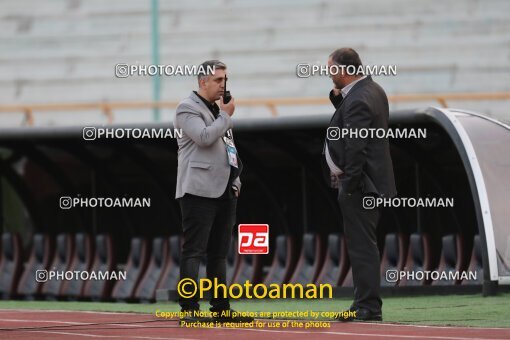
[(216, 64), (346, 56)]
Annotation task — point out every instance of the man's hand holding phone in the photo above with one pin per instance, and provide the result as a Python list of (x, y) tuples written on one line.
[(229, 107)]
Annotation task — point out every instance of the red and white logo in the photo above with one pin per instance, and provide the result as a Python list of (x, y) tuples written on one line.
[(253, 238)]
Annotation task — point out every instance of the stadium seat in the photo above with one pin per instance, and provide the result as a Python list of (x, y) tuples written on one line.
[(284, 261), (475, 263), (170, 276), (104, 261), (10, 264), (147, 287), (232, 261), (310, 260), (336, 263), (348, 280), (60, 263), (81, 261), (393, 257), (135, 268), (418, 259), (249, 268), (33, 277), (451, 259)]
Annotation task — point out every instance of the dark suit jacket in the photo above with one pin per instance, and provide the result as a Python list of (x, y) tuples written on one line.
[(366, 163)]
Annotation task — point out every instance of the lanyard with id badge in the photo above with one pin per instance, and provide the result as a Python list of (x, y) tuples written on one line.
[(231, 149)]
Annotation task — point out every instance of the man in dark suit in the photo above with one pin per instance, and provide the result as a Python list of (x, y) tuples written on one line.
[(359, 167)]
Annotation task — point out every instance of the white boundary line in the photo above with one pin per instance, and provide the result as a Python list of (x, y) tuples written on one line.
[(92, 323), (2, 310), (363, 334), (392, 324), (124, 326), (370, 324), (109, 336)]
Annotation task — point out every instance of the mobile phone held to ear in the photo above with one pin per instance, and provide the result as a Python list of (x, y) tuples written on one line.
[(226, 94)]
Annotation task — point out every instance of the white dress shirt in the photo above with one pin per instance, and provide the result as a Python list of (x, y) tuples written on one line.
[(335, 170)]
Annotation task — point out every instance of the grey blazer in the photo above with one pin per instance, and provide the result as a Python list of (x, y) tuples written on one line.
[(203, 167)]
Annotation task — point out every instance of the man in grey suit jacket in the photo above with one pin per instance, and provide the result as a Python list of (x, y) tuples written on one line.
[(208, 181)]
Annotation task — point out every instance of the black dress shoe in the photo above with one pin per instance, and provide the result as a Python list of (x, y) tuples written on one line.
[(230, 315), (360, 314)]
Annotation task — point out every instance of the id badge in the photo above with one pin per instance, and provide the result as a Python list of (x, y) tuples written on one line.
[(231, 152)]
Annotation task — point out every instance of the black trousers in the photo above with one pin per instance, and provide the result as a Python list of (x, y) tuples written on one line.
[(207, 230), (360, 231)]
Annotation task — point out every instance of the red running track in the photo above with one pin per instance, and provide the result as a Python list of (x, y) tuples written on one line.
[(30, 324)]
